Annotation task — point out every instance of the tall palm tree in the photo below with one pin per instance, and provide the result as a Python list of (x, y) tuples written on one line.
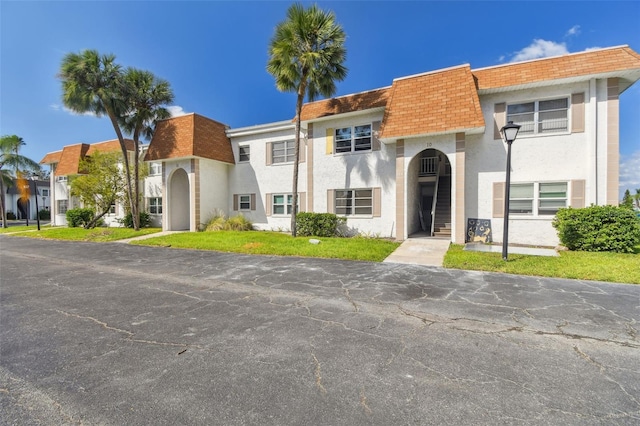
[(146, 97), (10, 163), (306, 56), (94, 83)]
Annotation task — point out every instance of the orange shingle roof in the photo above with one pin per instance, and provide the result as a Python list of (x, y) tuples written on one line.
[(350, 103), (190, 135), (69, 158), (437, 102), (578, 64), (51, 157)]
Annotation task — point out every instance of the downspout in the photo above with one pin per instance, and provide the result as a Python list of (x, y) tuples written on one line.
[(594, 97)]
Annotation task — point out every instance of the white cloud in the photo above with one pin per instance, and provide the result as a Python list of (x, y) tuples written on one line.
[(575, 30), (176, 110), (540, 49), (630, 172), (57, 107)]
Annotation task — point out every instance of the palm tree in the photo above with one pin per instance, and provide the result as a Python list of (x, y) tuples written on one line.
[(94, 83), (305, 56), (10, 163), (146, 96)]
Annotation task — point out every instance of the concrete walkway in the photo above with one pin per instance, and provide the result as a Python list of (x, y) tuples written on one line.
[(420, 251), (145, 237)]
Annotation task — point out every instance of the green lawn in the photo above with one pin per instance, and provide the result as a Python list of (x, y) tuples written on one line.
[(81, 234), (274, 243), (603, 266)]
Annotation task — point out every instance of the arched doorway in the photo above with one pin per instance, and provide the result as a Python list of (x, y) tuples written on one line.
[(179, 212), (429, 195)]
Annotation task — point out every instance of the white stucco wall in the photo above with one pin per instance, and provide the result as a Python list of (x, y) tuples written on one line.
[(214, 188), (559, 157), (153, 188), (366, 169)]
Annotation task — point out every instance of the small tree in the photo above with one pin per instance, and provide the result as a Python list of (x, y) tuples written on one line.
[(636, 198), (103, 184), (627, 200)]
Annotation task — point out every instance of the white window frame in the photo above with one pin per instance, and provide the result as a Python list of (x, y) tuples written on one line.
[(353, 147), (353, 198), (246, 153), (155, 205), (44, 192), (112, 209), (286, 204), (537, 199), (244, 199), (155, 169), (286, 157), (59, 206), (61, 178), (536, 122)]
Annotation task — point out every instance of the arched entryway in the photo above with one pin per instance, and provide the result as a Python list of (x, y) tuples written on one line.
[(429, 195), (179, 212)]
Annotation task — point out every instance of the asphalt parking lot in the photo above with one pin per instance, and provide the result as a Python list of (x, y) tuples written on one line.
[(112, 334)]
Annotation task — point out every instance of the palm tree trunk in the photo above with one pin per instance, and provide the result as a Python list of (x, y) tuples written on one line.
[(135, 214), (2, 205), (125, 154), (296, 161)]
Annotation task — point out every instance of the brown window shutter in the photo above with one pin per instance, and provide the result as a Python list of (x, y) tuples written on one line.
[(577, 112), (269, 153), (302, 154), (253, 201), (577, 193), (498, 199), (302, 201), (329, 141), (499, 119), (375, 142), (268, 203), (331, 201), (377, 202), (235, 202)]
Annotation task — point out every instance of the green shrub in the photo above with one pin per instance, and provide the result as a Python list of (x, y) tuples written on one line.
[(238, 223), (11, 215), (215, 222), (598, 228), (127, 220), (79, 217), (44, 214), (318, 224)]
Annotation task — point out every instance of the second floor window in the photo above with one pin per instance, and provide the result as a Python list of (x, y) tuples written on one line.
[(61, 178), (283, 152), (353, 139), (244, 153), (550, 116), (155, 169)]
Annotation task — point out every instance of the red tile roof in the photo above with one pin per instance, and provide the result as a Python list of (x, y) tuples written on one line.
[(51, 157), (190, 135), (573, 65), (437, 102), (349, 103)]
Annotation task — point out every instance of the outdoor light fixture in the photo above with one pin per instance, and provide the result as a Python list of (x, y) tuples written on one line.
[(510, 131)]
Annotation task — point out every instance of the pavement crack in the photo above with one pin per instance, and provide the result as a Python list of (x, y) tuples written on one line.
[(363, 402), (348, 296), (97, 321), (317, 373)]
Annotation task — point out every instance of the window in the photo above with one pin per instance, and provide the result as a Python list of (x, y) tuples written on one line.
[(282, 204), (155, 205), (354, 202), (351, 139), (44, 192), (112, 208), (62, 206), (550, 116), (61, 178), (283, 152), (245, 153), (155, 169), (245, 202), (542, 199)]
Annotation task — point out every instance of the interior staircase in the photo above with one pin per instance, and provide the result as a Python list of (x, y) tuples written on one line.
[(442, 220)]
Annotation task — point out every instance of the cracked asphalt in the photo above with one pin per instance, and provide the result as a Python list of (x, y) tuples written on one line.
[(112, 334)]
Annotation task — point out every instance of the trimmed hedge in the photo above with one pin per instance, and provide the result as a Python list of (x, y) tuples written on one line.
[(78, 217), (598, 228), (318, 224)]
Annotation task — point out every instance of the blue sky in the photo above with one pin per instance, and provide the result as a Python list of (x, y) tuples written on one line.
[(214, 54)]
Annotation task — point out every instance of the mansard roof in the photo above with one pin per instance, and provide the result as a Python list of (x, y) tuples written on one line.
[(190, 135), (69, 158), (343, 104)]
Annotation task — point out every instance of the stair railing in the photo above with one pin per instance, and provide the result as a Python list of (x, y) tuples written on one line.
[(435, 199)]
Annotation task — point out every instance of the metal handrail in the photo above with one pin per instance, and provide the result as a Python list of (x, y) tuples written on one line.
[(435, 199)]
